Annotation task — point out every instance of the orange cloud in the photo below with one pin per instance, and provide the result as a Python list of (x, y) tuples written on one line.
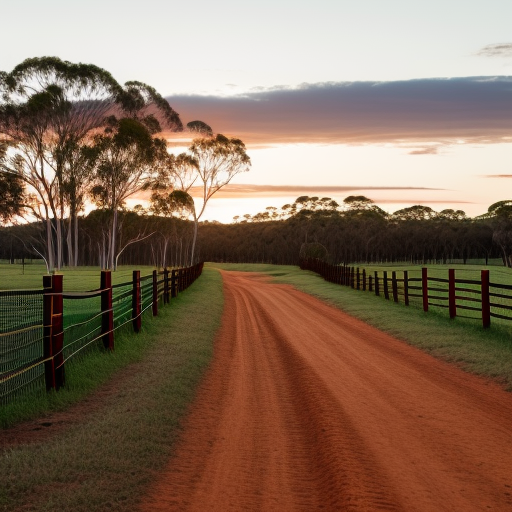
[(234, 191)]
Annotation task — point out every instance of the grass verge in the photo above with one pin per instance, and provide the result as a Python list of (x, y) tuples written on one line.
[(486, 352), (106, 461)]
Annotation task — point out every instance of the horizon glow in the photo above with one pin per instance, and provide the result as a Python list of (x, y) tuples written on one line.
[(210, 50)]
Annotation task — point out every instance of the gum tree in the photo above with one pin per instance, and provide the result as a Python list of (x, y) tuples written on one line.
[(220, 159), (213, 162), (48, 108), (128, 154), (125, 160)]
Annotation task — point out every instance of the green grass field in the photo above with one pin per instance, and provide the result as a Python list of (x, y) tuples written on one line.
[(30, 277)]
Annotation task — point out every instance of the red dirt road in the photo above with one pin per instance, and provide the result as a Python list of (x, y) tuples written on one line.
[(305, 408)]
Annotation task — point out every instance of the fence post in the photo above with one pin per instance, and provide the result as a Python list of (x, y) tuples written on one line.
[(394, 286), (424, 288), (406, 287), (364, 280), (358, 279), (370, 287), (107, 318), (174, 288), (180, 280), (376, 283), (452, 306), (58, 329), (155, 293), (486, 302), (136, 306), (49, 366), (166, 285), (53, 332), (385, 284)]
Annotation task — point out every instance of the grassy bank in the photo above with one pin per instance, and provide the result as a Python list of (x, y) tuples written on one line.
[(105, 461), (460, 341)]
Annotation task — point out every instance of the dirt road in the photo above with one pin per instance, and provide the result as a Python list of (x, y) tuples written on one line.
[(305, 408)]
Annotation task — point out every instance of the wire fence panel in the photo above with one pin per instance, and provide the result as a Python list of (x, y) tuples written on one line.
[(21, 341), (501, 301), (146, 290), (122, 303), (82, 322)]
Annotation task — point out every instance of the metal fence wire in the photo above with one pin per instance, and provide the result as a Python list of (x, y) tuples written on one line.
[(82, 322), (21, 341)]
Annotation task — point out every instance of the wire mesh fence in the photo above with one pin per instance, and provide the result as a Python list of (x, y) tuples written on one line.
[(40, 330), (82, 316), (21, 336)]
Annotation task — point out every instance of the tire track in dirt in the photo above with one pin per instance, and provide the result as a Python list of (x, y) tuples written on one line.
[(306, 408)]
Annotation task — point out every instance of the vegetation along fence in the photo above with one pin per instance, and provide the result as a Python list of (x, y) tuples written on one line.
[(40, 330), (478, 299)]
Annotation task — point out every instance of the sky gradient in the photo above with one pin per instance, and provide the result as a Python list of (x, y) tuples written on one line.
[(405, 102)]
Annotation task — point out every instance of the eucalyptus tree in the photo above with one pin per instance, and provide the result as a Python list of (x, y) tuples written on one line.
[(128, 154), (49, 108), (219, 159), (170, 195), (212, 162), (126, 158)]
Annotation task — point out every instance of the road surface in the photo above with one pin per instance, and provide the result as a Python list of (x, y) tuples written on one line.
[(305, 408)]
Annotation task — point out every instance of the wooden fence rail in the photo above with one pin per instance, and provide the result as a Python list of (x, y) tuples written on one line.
[(480, 299)]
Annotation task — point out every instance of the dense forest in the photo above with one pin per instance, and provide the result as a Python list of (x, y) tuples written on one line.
[(357, 231)]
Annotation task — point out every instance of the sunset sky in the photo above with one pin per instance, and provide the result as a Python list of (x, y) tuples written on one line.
[(406, 102)]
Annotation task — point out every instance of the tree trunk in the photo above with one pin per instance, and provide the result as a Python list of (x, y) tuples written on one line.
[(69, 242), (75, 227), (49, 244), (193, 241), (164, 253), (113, 240)]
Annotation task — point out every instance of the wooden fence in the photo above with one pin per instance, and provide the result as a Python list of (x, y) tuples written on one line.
[(469, 298), (40, 330)]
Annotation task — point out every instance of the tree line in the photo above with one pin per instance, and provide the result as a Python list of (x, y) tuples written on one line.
[(356, 231), (360, 231)]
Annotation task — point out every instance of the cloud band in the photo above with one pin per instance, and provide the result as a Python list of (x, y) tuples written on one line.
[(426, 110)]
